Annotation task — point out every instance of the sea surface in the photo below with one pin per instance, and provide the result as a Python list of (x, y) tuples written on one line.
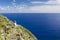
[(45, 26)]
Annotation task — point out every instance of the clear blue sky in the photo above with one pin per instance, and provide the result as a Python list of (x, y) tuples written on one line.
[(9, 2)]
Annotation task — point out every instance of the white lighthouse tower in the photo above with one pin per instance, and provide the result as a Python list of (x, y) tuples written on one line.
[(15, 23)]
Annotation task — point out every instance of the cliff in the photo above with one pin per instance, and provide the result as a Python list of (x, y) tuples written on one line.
[(10, 31)]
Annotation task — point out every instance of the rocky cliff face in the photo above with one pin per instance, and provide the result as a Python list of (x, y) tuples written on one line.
[(10, 31)]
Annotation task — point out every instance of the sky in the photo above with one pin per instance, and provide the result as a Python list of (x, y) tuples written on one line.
[(29, 6)]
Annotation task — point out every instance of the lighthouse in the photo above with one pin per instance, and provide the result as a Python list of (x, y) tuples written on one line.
[(15, 23)]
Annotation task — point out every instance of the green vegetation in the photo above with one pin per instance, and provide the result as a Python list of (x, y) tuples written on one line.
[(8, 31)]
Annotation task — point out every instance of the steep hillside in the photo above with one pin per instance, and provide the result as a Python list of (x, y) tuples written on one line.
[(10, 31)]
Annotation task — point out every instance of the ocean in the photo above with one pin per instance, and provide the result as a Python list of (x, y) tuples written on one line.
[(45, 26)]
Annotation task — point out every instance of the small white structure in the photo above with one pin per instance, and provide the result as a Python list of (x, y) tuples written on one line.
[(15, 23)]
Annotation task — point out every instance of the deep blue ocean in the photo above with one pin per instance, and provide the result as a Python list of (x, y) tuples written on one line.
[(45, 26)]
